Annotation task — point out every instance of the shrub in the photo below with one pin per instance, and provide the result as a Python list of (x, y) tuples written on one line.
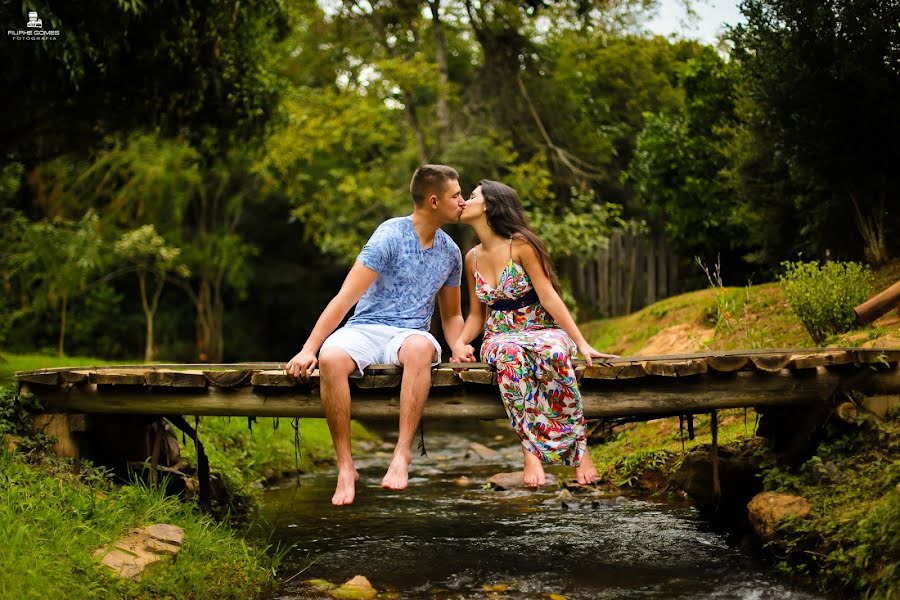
[(823, 297)]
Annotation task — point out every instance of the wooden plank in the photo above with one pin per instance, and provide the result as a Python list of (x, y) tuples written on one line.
[(615, 371), (877, 355), (771, 363), (228, 379), (479, 376), (444, 378), (75, 377), (368, 382), (727, 364), (39, 377), (172, 378), (601, 398), (675, 368), (117, 377), (822, 359), (278, 378)]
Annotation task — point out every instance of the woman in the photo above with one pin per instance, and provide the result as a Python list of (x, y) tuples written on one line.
[(528, 333)]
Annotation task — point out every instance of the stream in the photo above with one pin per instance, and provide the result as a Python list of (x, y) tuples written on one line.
[(443, 538)]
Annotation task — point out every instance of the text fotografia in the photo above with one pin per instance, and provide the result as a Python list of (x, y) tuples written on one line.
[(35, 31)]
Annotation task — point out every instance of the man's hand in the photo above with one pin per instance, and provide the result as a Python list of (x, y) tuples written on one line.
[(462, 353), (302, 365)]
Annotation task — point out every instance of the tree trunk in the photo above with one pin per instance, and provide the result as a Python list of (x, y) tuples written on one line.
[(62, 325), (443, 91), (210, 312), (417, 129)]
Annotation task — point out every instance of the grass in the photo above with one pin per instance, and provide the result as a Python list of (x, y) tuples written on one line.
[(53, 517), (10, 363), (748, 317), (637, 447), (247, 452), (851, 540)]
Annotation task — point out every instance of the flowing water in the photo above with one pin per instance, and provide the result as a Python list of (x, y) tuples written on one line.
[(440, 539)]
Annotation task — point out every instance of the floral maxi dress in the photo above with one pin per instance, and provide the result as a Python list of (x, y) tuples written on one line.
[(532, 356)]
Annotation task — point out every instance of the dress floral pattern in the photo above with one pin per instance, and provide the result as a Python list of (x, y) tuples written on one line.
[(532, 356)]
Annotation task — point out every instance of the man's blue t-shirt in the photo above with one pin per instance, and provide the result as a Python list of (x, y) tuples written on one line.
[(409, 276)]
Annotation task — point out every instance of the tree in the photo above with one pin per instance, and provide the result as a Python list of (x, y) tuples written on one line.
[(54, 261), (204, 68), (678, 171), (152, 258), (825, 81)]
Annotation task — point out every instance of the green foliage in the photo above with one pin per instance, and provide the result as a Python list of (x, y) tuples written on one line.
[(850, 541), (823, 296), (53, 517), (804, 67), (630, 468), (161, 69), (247, 452)]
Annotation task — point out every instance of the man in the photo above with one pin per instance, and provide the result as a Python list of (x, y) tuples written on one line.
[(406, 262)]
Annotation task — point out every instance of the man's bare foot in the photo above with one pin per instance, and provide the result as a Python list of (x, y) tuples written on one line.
[(397, 476), (534, 470), (586, 471), (345, 491)]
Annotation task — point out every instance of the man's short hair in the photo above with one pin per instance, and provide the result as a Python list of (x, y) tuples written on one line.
[(430, 179)]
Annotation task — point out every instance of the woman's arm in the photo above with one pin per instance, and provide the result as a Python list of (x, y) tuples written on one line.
[(474, 321), (551, 301)]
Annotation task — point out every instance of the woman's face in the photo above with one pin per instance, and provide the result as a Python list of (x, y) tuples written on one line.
[(474, 207)]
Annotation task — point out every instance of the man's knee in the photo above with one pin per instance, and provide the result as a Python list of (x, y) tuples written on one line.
[(336, 362), (417, 350)]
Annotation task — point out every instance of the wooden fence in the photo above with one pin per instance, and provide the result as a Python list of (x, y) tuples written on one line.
[(634, 271)]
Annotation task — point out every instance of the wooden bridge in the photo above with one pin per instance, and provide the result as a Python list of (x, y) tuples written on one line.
[(640, 387), (628, 388)]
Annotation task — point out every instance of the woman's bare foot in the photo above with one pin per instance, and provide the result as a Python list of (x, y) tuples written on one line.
[(345, 492), (586, 471), (397, 476), (534, 470)]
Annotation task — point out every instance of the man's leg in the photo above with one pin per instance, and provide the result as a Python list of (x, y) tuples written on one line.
[(335, 367), (416, 355)]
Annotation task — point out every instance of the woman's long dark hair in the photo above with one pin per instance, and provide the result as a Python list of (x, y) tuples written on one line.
[(507, 218)]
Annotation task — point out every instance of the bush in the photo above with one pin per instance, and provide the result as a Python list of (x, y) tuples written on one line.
[(823, 297)]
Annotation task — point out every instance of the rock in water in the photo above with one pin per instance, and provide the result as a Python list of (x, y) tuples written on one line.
[(768, 509), (462, 481), (357, 588), (484, 452), (130, 555), (516, 479)]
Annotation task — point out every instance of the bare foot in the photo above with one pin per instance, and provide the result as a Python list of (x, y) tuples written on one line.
[(345, 491), (397, 475), (586, 471), (534, 470)]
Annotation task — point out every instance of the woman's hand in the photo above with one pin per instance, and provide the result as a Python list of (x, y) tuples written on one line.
[(462, 353), (589, 354)]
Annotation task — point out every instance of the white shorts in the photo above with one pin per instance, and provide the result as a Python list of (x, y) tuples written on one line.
[(375, 344)]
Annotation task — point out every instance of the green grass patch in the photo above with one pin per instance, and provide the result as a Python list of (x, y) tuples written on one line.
[(636, 447), (53, 517), (10, 363), (246, 452), (851, 540)]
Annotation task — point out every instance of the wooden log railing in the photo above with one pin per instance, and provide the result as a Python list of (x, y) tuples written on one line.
[(629, 387)]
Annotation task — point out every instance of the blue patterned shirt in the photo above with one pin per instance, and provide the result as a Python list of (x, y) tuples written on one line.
[(409, 276)]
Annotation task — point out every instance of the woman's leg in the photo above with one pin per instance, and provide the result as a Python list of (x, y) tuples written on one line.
[(515, 376)]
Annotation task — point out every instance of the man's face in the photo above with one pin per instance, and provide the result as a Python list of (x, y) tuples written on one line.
[(450, 203)]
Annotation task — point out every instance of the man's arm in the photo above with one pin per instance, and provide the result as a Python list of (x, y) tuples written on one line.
[(451, 312), (355, 285)]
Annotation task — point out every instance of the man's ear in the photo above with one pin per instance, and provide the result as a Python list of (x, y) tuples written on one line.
[(433, 200)]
